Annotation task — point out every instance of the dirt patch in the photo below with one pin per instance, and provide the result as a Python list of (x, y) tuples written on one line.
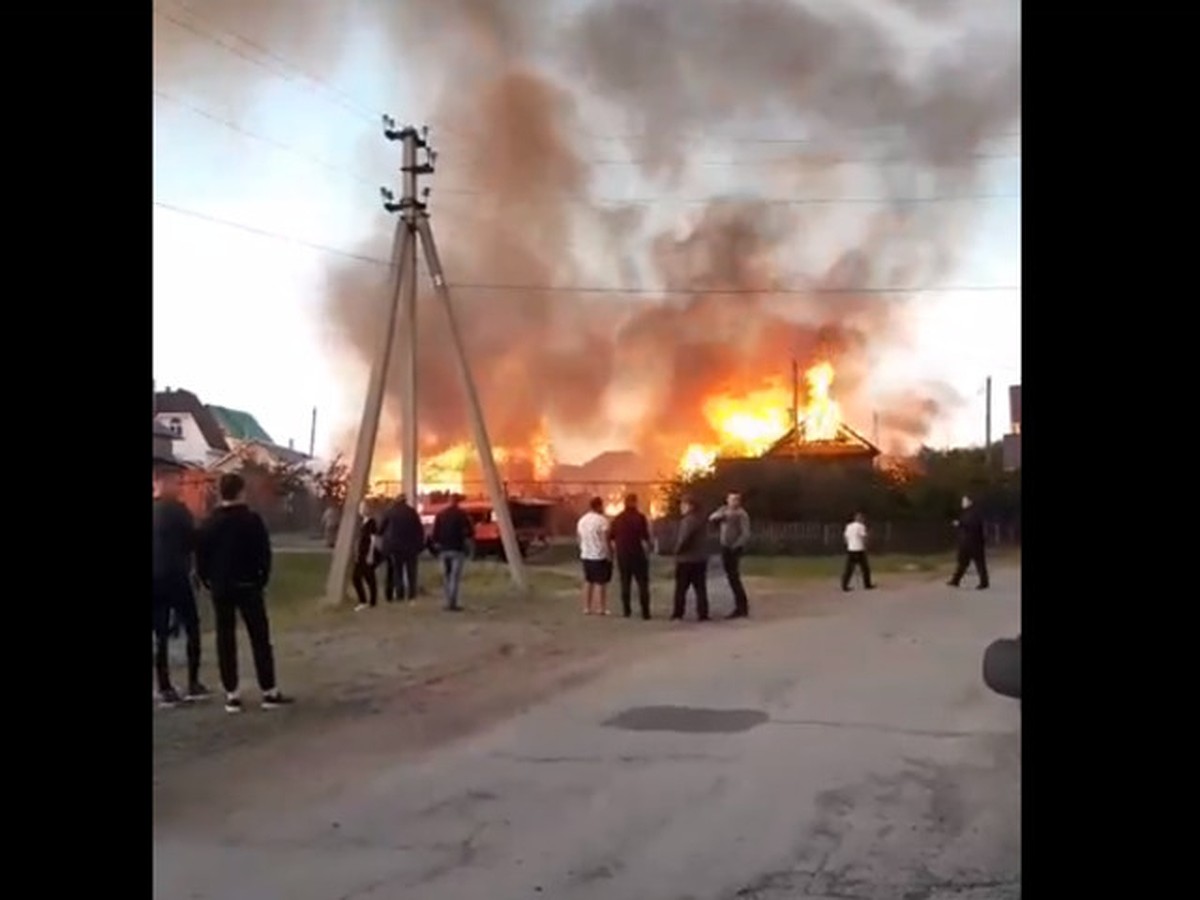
[(387, 683)]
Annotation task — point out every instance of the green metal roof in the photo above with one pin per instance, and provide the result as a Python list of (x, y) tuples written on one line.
[(241, 426)]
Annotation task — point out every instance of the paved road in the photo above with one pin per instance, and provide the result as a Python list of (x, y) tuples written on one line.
[(851, 755)]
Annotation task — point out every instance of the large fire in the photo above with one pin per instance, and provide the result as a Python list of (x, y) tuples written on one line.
[(449, 470), (744, 424), (748, 424)]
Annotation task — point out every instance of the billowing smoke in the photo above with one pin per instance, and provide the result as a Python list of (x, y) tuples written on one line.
[(873, 98)]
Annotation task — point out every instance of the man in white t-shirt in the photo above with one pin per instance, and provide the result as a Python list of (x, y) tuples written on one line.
[(856, 553), (597, 564)]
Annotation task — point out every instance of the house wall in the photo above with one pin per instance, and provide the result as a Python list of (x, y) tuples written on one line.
[(198, 493), (163, 446), (800, 467), (191, 445), (1011, 449)]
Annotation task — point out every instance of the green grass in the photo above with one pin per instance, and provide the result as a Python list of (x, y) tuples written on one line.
[(298, 580)]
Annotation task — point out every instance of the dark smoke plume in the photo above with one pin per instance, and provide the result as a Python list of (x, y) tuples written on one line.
[(513, 80)]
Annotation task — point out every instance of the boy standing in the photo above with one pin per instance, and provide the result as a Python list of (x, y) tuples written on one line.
[(233, 560), (856, 553)]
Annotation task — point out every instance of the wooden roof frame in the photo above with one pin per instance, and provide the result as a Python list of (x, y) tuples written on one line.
[(847, 443)]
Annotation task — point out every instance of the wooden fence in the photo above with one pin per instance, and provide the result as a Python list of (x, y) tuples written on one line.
[(825, 538)]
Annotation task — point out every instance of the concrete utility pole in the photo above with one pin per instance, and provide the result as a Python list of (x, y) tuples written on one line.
[(368, 429), (987, 425), (413, 226), (411, 142)]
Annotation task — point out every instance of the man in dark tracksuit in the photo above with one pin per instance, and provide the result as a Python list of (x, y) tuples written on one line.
[(971, 545), (691, 561), (403, 539), (172, 546), (233, 558), (630, 537)]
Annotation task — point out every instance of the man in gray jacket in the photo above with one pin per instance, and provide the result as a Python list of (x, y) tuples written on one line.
[(691, 561), (735, 533)]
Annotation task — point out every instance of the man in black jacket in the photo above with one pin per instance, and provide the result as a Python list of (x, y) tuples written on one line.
[(630, 537), (451, 539), (403, 538), (971, 545), (363, 578), (171, 548), (233, 559), (691, 561)]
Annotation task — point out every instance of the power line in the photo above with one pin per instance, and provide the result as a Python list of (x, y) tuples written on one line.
[(769, 201), (826, 158), (348, 101), (263, 232), (279, 145), (352, 105), (737, 139), (336, 95), (583, 198), (578, 289), (792, 291)]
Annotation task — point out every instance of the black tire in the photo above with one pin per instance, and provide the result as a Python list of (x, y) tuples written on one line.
[(1002, 667)]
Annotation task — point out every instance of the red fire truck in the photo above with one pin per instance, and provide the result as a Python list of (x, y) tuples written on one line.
[(531, 519)]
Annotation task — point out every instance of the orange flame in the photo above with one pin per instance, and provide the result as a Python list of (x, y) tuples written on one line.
[(822, 415), (748, 424), (440, 473), (614, 502), (697, 460), (447, 470)]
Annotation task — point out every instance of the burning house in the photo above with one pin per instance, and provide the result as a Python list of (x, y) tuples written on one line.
[(776, 424), (813, 434)]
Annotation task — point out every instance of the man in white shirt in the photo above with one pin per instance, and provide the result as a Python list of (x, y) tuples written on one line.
[(856, 553), (593, 551)]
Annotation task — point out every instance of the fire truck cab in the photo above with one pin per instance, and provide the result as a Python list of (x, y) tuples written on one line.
[(530, 519)]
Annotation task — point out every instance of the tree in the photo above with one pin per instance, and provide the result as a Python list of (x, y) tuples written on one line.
[(332, 483), (928, 488), (289, 480)]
